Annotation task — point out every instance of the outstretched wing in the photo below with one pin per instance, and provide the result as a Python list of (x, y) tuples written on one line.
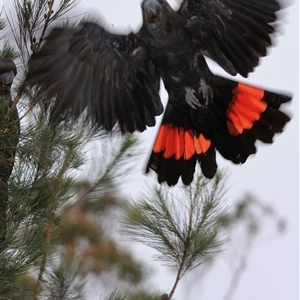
[(234, 33), (109, 75)]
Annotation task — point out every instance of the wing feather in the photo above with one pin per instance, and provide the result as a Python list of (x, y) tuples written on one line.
[(234, 33), (108, 75)]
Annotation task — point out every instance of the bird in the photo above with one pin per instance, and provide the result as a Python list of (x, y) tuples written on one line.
[(9, 136), (113, 80)]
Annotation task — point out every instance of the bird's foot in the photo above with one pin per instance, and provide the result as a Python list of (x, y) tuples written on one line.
[(191, 99), (207, 91)]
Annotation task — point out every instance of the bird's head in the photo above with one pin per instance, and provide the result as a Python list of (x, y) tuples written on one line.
[(155, 15)]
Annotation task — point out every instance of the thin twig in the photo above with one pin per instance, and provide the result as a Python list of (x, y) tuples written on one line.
[(234, 283), (178, 277), (180, 270), (44, 259), (47, 19), (15, 102)]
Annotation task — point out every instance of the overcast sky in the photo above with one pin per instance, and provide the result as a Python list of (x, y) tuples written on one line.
[(272, 174)]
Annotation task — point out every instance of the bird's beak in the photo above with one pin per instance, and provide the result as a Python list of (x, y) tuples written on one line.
[(152, 11), (152, 16)]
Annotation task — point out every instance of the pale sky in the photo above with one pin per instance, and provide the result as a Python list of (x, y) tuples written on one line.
[(272, 175)]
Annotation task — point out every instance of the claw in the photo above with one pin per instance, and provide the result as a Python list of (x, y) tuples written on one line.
[(207, 91), (191, 99)]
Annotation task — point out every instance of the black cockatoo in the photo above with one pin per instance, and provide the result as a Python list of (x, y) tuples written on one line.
[(116, 79), (9, 136)]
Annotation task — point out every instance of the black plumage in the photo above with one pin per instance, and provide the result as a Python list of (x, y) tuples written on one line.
[(116, 79)]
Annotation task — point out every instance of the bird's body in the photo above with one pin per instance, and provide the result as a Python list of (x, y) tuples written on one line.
[(116, 78), (177, 59)]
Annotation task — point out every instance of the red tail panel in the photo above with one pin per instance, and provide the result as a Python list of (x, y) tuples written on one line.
[(177, 149), (179, 143), (245, 108)]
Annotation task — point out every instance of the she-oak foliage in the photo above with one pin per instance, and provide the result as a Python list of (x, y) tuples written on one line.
[(176, 225), (185, 230), (36, 259)]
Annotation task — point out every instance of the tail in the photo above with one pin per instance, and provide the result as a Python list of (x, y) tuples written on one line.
[(178, 147), (243, 114), (230, 123)]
